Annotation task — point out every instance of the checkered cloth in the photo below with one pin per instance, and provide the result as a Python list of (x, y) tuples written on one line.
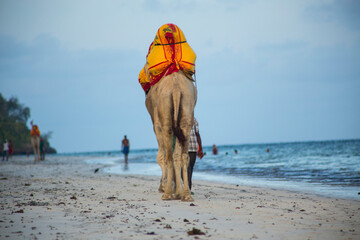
[(193, 146)]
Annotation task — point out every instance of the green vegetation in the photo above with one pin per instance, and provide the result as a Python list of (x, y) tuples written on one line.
[(13, 119)]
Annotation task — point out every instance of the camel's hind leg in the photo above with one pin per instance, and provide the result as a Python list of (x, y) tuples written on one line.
[(177, 171), (186, 125), (35, 142), (185, 163), (35, 153), (181, 162), (167, 134)]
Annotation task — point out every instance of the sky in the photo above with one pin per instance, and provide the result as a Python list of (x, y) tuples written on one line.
[(266, 71)]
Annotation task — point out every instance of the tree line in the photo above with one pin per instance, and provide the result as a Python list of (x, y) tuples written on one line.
[(13, 119)]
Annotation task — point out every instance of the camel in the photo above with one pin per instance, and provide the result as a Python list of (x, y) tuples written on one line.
[(171, 103)]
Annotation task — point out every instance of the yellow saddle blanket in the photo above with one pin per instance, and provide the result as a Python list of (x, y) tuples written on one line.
[(168, 53), (35, 131)]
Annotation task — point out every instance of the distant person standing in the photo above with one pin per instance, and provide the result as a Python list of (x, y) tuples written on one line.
[(6, 151), (125, 148), (214, 150), (195, 149), (35, 140)]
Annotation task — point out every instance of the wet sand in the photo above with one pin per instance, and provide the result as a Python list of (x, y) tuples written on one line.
[(63, 198)]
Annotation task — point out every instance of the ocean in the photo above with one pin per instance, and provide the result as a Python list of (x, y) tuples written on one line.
[(327, 168)]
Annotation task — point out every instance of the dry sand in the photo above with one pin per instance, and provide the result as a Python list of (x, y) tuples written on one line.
[(62, 198)]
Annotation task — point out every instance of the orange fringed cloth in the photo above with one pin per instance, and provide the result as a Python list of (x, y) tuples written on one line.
[(35, 131), (168, 53)]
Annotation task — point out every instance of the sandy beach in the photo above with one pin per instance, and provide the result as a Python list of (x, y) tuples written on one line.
[(63, 198)]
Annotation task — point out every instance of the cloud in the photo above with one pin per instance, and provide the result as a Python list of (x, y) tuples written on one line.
[(344, 12), (210, 26)]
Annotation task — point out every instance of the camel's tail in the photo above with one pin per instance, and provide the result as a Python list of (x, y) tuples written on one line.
[(177, 101)]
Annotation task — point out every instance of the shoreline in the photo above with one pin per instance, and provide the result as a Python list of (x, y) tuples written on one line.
[(116, 166), (62, 198)]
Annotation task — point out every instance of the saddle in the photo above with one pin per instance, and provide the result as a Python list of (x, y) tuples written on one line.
[(168, 53), (35, 131)]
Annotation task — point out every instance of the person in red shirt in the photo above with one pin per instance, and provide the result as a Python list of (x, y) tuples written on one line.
[(11, 149)]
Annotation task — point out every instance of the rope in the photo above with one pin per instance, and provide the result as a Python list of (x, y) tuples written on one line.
[(159, 44)]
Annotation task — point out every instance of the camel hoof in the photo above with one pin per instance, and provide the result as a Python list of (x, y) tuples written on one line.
[(187, 199), (161, 189), (167, 196)]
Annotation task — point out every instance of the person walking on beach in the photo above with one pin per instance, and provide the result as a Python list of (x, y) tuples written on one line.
[(6, 151), (11, 149), (195, 149), (125, 148)]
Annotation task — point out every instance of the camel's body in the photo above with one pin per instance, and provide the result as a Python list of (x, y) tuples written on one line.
[(35, 142), (171, 103)]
